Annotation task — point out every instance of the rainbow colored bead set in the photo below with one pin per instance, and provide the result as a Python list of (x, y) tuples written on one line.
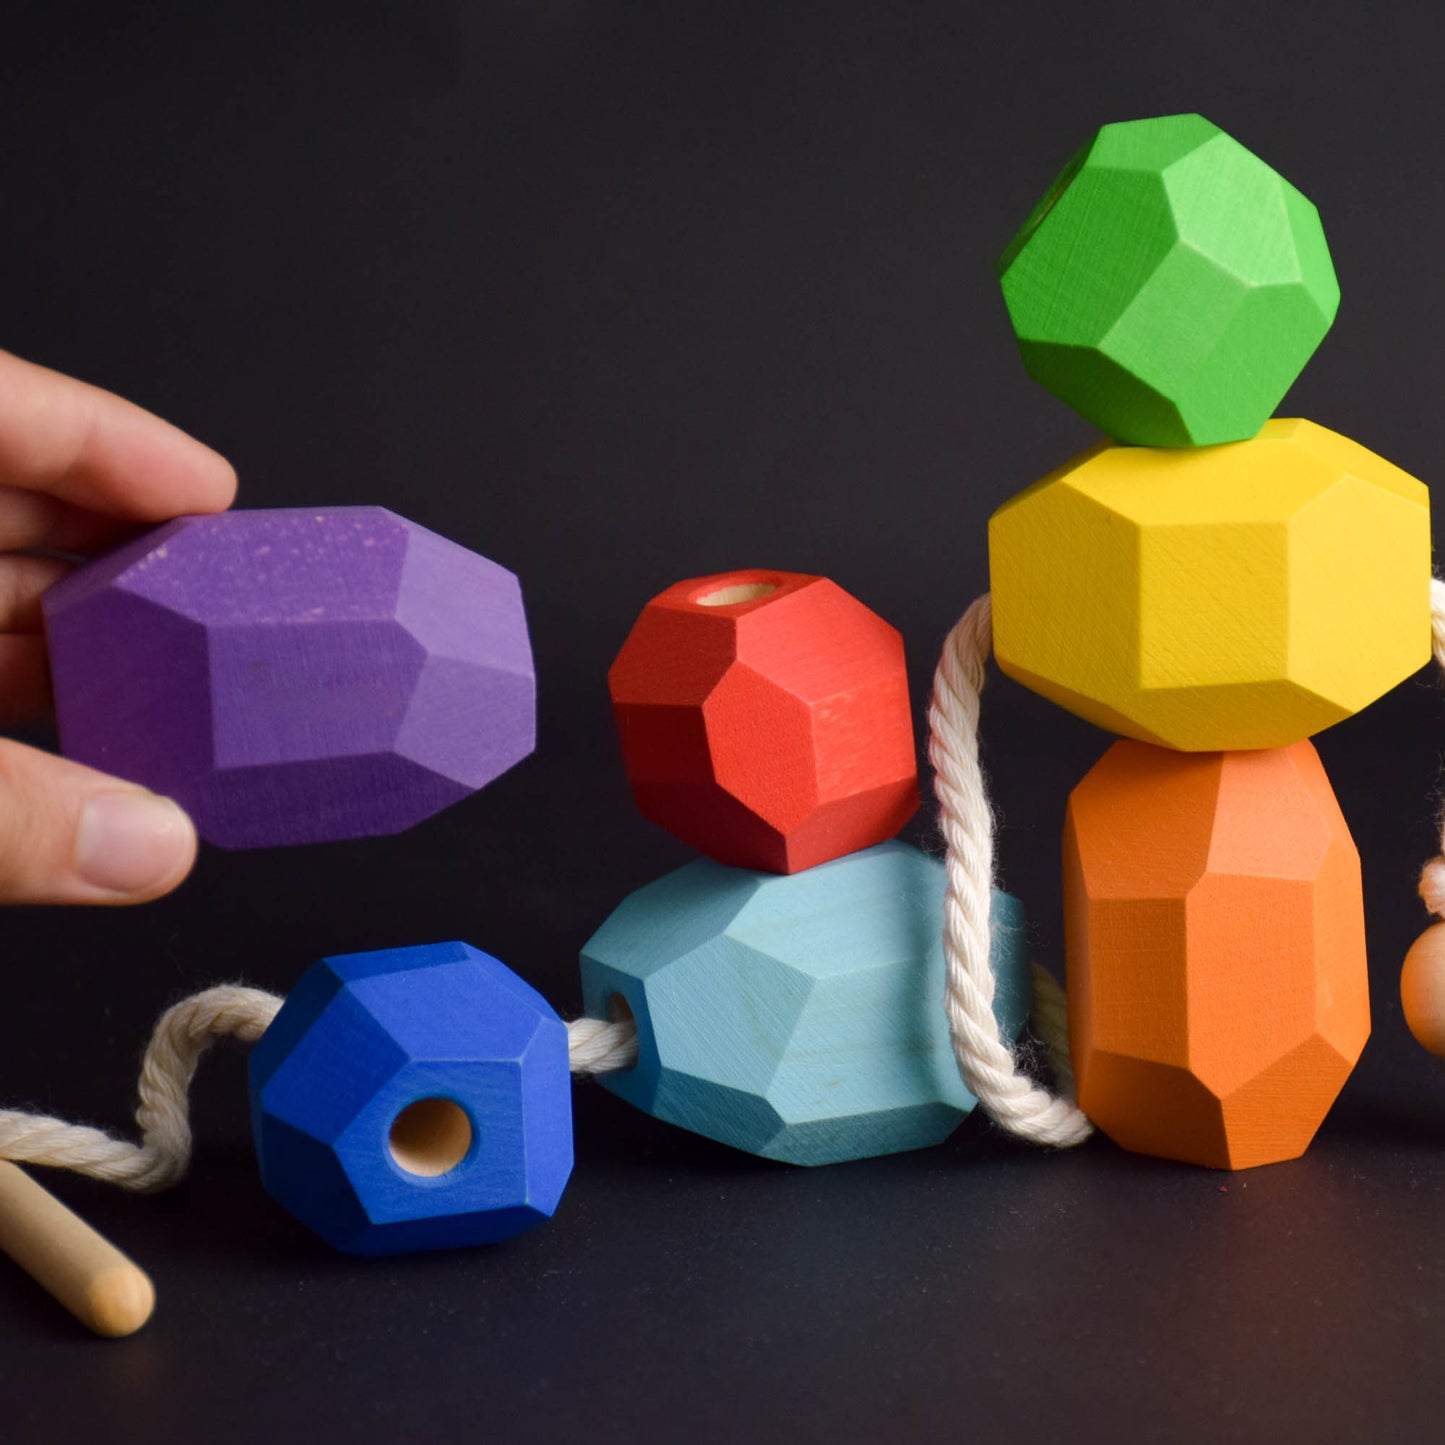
[(1218, 586), (1214, 585)]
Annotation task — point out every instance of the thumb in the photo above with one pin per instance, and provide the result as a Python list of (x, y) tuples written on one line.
[(69, 834)]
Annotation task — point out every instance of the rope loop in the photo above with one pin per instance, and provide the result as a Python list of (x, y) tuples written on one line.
[(987, 1064)]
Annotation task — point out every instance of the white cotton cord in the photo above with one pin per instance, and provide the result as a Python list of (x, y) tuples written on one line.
[(597, 1047), (987, 1064), (182, 1034), (1432, 875), (161, 1159)]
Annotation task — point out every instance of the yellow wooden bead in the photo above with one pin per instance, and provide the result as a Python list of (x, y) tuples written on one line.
[(1422, 989), (1214, 598)]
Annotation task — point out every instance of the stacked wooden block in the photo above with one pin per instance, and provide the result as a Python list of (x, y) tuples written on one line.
[(294, 675), (786, 990), (1215, 586)]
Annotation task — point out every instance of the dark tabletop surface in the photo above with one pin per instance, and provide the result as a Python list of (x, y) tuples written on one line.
[(618, 294)]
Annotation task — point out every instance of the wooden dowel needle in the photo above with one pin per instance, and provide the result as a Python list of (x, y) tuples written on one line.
[(61, 1252)]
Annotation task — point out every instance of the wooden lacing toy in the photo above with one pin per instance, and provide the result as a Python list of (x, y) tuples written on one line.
[(784, 1001), (1214, 585)]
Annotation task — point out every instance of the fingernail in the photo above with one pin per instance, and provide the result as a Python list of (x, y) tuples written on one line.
[(130, 842)]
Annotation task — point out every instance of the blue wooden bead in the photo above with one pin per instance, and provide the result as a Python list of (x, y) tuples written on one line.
[(797, 1017), (413, 1098)]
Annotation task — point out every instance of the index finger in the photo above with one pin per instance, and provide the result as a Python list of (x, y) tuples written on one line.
[(94, 450)]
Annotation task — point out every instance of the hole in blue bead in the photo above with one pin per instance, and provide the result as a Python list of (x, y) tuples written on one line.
[(430, 1137)]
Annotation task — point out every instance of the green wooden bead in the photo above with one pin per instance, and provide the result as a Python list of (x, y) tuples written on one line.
[(799, 1017), (1170, 286)]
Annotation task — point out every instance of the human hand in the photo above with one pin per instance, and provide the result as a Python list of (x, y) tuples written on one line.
[(79, 468)]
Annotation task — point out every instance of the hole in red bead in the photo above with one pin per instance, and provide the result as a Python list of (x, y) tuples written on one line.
[(737, 592), (430, 1137)]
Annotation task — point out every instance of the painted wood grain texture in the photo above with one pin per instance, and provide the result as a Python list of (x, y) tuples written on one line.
[(1230, 597), (1217, 988), (412, 1099), (1169, 286), (294, 675), (764, 719), (800, 1017)]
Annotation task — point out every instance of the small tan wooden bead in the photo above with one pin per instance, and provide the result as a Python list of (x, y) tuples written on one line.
[(1422, 989)]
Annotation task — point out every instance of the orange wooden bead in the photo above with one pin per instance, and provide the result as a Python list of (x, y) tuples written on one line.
[(764, 719), (1218, 996), (1422, 989)]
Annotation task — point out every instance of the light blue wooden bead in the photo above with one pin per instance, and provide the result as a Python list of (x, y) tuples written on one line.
[(413, 1098), (798, 1017)]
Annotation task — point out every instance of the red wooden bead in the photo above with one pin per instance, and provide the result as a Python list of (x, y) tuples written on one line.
[(764, 719)]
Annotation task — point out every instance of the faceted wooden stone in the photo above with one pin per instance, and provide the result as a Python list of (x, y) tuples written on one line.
[(1228, 597), (294, 676), (799, 1018), (1218, 997), (1170, 286), (764, 719), (413, 1098)]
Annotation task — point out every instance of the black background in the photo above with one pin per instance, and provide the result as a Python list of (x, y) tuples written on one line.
[(618, 294)]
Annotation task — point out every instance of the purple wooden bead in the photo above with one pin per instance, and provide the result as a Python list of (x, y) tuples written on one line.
[(294, 676)]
